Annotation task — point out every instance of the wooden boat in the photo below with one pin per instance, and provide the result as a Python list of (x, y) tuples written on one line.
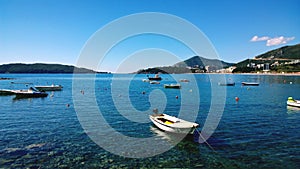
[(173, 124), (31, 92), (49, 88), (226, 84), (250, 84), (292, 102), (156, 77), (173, 86)]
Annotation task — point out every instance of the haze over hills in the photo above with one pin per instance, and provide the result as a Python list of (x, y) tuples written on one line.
[(42, 68)]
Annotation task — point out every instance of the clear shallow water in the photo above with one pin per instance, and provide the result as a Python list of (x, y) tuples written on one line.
[(259, 131)]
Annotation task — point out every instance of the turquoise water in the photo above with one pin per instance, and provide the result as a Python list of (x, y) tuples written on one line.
[(257, 131)]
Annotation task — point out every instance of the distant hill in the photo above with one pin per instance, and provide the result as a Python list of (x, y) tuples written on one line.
[(198, 61), (42, 68), (286, 52), (284, 59), (191, 65)]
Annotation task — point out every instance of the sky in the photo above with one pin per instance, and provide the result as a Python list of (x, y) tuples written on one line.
[(57, 31)]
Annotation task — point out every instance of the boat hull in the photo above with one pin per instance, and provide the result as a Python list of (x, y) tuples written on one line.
[(250, 84), (167, 128), (293, 104)]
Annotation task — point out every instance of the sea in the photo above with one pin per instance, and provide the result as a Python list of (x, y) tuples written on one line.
[(102, 121)]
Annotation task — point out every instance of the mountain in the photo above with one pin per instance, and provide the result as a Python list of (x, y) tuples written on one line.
[(201, 62), (286, 52), (284, 59), (42, 68), (192, 65)]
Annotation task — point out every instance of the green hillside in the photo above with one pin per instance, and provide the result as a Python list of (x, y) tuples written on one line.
[(286, 52), (284, 59)]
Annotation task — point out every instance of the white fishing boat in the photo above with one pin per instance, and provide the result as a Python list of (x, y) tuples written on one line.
[(173, 124), (49, 88), (292, 102)]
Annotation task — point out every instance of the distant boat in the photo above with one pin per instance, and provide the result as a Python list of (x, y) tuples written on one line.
[(31, 92), (292, 102), (250, 84), (49, 88), (154, 82), (145, 80), (184, 80), (226, 84), (173, 124), (173, 86), (156, 77)]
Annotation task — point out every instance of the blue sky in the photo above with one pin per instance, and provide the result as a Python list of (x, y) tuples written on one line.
[(55, 31)]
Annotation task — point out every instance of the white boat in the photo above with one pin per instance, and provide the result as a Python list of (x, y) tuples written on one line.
[(173, 124), (292, 102), (31, 92), (173, 86), (250, 84), (49, 88), (154, 82)]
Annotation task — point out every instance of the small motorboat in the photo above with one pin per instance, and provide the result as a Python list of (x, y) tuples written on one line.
[(49, 88), (250, 84), (154, 82), (292, 102), (173, 124), (226, 84), (31, 92), (156, 77), (172, 86), (145, 80)]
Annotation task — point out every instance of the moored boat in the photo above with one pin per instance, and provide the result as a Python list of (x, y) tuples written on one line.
[(226, 84), (156, 77), (173, 86), (250, 84), (292, 102), (49, 88), (173, 124), (31, 92)]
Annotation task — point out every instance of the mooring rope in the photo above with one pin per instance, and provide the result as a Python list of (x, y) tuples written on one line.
[(210, 147)]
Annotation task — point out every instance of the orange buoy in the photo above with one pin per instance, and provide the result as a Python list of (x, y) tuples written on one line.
[(237, 99)]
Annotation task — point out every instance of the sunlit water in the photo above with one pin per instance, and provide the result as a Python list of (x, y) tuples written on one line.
[(257, 131)]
